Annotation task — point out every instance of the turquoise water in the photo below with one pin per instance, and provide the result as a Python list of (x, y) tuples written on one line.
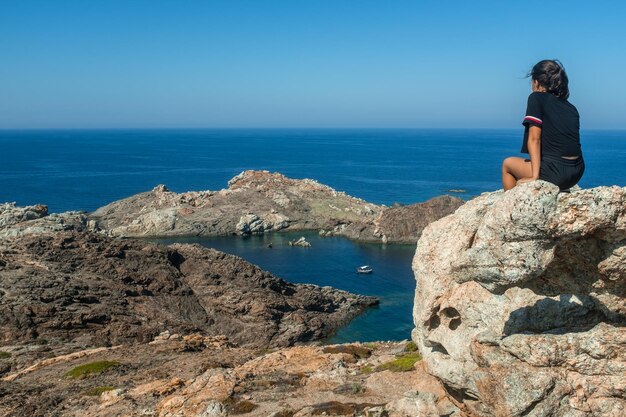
[(83, 170), (333, 261)]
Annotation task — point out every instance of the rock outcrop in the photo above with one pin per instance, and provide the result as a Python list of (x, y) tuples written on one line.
[(258, 202), (75, 289), (404, 224), (16, 221), (300, 242), (196, 376), (519, 307), (11, 214)]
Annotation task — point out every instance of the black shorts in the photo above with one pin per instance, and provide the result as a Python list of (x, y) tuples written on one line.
[(565, 173)]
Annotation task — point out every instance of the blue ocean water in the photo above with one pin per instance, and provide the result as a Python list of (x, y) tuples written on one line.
[(83, 170)]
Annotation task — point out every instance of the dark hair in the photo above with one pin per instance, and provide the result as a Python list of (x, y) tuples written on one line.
[(551, 75)]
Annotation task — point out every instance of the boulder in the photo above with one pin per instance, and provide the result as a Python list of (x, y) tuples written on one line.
[(11, 214), (519, 305), (251, 224), (16, 221), (300, 242)]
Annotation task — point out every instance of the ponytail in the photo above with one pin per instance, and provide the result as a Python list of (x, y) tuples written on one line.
[(551, 75)]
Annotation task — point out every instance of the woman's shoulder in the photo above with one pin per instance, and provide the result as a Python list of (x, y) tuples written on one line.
[(539, 95), (558, 102), (537, 99), (550, 100)]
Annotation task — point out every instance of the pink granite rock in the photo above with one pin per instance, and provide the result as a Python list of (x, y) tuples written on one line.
[(519, 307)]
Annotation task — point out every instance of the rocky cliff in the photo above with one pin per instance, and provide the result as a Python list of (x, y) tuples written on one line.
[(258, 202), (519, 306)]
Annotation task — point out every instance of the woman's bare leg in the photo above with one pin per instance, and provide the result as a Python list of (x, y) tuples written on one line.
[(514, 168)]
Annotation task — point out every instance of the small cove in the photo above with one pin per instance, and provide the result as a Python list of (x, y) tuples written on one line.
[(333, 261)]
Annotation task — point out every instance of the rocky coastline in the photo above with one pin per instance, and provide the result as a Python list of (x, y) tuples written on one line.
[(76, 294), (519, 311)]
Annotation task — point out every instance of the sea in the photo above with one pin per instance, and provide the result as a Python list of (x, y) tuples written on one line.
[(85, 169)]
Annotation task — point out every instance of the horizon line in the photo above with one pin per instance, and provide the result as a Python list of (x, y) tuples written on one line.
[(13, 129)]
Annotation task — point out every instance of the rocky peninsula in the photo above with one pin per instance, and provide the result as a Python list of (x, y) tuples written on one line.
[(90, 289), (257, 202)]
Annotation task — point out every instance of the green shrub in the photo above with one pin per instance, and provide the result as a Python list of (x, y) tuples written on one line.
[(357, 351), (402, 363), (92, 368), (410, 347), (349, 389), (367, 369), (4, 355), (96, 391), (235, 406)]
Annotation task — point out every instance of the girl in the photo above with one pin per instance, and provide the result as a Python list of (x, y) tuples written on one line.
[(551, 135)]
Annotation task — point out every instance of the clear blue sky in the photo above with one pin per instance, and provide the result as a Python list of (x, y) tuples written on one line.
[(296, 63)]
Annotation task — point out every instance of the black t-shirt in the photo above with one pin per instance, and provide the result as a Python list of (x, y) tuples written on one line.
[(559, 122)]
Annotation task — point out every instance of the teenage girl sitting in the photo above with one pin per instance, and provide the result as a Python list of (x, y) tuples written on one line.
[(551, 135)]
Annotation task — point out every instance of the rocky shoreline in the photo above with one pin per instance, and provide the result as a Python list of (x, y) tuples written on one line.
[(78, 290), (74, 288)]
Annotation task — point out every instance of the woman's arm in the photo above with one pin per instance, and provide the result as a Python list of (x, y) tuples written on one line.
[(534, 150)]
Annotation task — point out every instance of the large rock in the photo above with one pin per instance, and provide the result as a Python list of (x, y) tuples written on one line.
[(519, 307), (257, 202), (11, 214)]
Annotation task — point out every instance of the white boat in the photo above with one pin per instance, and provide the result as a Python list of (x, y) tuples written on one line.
[(365, 269)]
